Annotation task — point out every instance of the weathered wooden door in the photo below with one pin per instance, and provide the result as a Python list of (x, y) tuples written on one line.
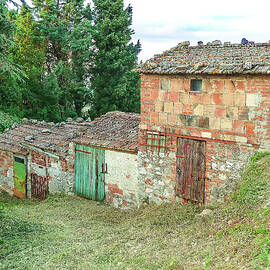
[(39, 182), (90, 164), (19, 165), (190, 170)]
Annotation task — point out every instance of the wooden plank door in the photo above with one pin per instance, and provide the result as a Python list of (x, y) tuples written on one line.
[(19, 165), (90, 178), (190, 170), (39, 182)]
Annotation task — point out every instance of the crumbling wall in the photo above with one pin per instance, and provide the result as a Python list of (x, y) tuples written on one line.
[(121, 185), (57, 169), (6, 172)]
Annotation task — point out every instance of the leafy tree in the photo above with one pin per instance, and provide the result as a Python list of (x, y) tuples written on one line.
[(66, 29), (114, 85)]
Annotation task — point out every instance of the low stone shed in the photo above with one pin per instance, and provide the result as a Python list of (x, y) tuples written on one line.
[(96, 160), (204, 112), (35, 158), (106, 160)]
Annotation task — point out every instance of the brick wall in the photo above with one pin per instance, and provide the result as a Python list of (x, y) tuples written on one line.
[(230, 113)]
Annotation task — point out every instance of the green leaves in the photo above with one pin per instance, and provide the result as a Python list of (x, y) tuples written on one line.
[(114, 85)]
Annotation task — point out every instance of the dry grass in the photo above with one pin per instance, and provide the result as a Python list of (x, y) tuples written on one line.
[(68, 232)]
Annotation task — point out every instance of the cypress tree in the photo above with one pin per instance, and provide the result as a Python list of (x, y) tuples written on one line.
[(114, 85)]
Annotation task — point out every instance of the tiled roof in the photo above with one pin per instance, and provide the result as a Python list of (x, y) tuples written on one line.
[(46, 136), (213, 58), (114, 130)]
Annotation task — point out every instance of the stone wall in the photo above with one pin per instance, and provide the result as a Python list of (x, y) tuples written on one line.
[(58, 170), (230, 113), (121, 185), (6, 172)]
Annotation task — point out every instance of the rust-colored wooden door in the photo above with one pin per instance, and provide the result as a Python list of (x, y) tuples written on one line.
[(190, 170)]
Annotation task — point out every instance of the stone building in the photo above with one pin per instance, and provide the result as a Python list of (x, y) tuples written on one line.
[(204, 112), (35, 158), (106, 160), (96, 160)]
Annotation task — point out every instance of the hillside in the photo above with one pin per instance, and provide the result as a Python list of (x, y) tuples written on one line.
[(68, 232)]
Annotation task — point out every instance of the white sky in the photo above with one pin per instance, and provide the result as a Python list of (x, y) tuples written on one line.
[(162, 24)]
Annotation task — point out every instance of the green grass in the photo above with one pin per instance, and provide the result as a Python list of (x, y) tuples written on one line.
[(68, 232)]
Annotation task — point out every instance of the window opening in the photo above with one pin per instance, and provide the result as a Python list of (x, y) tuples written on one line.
[(156, 142), (196, 85)]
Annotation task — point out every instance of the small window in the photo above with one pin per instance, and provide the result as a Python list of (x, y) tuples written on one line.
[(19, 160), (156, 142), (196, 85)]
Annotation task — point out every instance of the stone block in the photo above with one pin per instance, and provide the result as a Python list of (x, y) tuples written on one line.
[(232, 112), (220, 112), (214, 123), (177, 108), (165, 84), (207, 135), (176, 84), (217, 98), (168, 107), (226, 124), (163, 118), (241, 139), (187, 109), (159, 106), (228, 99), (198, 110), (239, 99), (252, 100)]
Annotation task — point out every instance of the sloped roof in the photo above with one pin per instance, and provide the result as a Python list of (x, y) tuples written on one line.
[(46, 136), (213, 58), (114, 130)]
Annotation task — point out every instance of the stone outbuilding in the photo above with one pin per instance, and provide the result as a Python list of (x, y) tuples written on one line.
[(204, 112), (96, 160), (106, 160), (35, 158)]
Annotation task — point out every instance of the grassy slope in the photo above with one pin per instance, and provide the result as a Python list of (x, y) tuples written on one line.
[(67, 232)]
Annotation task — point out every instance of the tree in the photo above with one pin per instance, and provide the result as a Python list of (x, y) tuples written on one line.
[(10, 73), (66, 28), (114, 85)]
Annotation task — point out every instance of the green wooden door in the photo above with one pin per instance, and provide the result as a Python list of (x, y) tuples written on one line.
[(19, 177), (90, 178)]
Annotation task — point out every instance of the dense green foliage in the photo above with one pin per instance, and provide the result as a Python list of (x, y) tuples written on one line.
[(115, 85), (59, 56)]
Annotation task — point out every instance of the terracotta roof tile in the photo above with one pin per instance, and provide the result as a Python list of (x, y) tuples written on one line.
[(114, 130), (214, 58)]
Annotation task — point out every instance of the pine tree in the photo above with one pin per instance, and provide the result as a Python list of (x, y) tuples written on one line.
[(114, 85), (66, 28)]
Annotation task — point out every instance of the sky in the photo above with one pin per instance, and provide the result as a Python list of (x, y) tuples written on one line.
[(162, 24)]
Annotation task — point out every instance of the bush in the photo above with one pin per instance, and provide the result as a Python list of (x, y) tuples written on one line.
[(7, 121)]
